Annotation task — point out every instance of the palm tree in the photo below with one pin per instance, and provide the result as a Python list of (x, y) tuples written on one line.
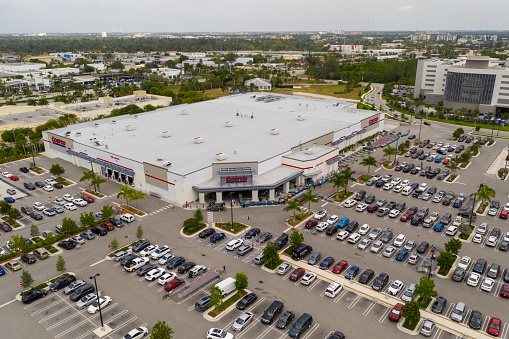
[(137, 195), (347, 175), (337, 182), (453, 165), (96, 181), (485, 193), (388, 151), (369, 161), (292, 205), (126, 193), (87, 176), (309, 197)]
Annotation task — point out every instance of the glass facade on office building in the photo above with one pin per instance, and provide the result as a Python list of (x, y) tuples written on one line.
[(472, 88)]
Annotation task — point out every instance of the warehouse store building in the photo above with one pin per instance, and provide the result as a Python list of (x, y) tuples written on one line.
[(255, 145)]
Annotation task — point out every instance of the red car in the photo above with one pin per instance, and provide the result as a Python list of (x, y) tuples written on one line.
[(88, 199), (445, 162), (426, 123), (14, 177), (415, 156), (5, 226), (172, 284), (494, 326), (311, 223), (408, 214), (503, 215), (340, 266), (373, 208), (395, 314), (108, 225), (504, 291), (297, 274)]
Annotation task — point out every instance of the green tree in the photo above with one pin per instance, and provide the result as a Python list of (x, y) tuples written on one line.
[(425, 289), (61, 267), (34, 231), (107, 211), (17, 243), (117, 65), (216, 296), (270, 255), (453, 165), (241, 281), (14, 213), (485, 193), (139, 232), (457, 133), (453, 246), (26, 279), (161, 330), (4, 207), (125, 192), (68, 225), (87, 219), (337, 181), (114, 244), (388, 151), (411, 312), (309, 197), (137, 195), (347, 175), (369, 161), (198, 215), (96, 181), (294, 206), (296, 238), (57, 170), (445, 260), (87, 177), (464, 228)]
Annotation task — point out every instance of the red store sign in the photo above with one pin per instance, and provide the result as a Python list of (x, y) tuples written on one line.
[(373, 121), (236, 179), (58, 142)]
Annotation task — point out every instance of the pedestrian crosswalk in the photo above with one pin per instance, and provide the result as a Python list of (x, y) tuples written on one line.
[(210, 218), (162, 209)]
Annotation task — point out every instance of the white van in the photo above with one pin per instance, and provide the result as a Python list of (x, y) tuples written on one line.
[(127, 218), (407, 190), (333, 289), (226, 286)]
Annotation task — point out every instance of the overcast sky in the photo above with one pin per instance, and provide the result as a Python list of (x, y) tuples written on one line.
[(68, 16)]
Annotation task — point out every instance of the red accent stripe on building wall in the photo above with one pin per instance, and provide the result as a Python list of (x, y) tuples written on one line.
[(159, 179), (302, 168)]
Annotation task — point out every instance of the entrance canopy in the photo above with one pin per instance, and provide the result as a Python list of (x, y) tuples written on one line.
[(102, 163)]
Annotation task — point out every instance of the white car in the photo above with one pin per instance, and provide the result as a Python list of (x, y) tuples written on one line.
[(284, 268), (388, 186), (364, 229), (506, 236), (161, 251), (217, 333), (352, 239), (482, 228), (451, 230), (79, 202), (242, 321), (437, 198), (426, 196), (94, 308), (50, 181), (477, 238), (398, 189), (165, 258), (332, 219), (59, 201), (389, 251), (48, 188), (464, 262), (413, 258), (147, 251), (342, 235), (491, 241), (70, 206), (154, 274), (433, 216), (506, 207), (473, 279), (493, 211), (142, 331), (349, 203), (320, 214), (405, 182), (377, 246), (234, 244), (78, 239), (395, 181), (6, 174), (487, 284), (136, 263), (394, 213), (322, 226), (49, 211), (361, 207), (364, 244), (399, 241), (423, 186), (395, 287), (39, 206), (166, 277), (68, 197), (308, 278)]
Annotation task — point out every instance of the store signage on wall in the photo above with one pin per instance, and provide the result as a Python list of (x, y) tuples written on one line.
[(373, 121), (236, 179), (58, 142)]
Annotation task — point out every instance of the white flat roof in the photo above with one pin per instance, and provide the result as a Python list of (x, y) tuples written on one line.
[(250, 139)]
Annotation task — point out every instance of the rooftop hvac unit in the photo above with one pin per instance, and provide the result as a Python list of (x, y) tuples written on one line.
[(309, 151), (275, 131), (135, 116), (67, 133), (335, 104), (96, 125), (229, 124), (221, 156), (78, 134), (99, 142), (130, 127), (185, 112), (167, 163), (166, 134), (301, 117), (113, 121), (253, 96), (198, 140)]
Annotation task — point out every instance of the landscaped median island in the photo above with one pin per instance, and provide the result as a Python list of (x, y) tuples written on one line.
[(227, 226), (194, 224), (44, 284), (125, 248), (298, 218), (95, 194), (38, 170), (64, 181), (227, 303)]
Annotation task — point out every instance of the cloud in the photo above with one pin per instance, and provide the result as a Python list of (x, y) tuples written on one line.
[(406, 8)]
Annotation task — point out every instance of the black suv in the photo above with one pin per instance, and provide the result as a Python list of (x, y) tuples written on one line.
[(352, 226), (271, 312), (423, 247), (480, 266), (82, 291), (380, 282), (360, 195), (366, 276), (99, 230), (387, 236), (62, 282), (140, 245), (459, 274), (29, 186), (370, 199), (446, 219), (391, 205), (439, 305), (400, 206)]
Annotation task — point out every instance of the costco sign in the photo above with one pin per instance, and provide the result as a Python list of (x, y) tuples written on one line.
[(236, 179), (372, 121), (58, 142)]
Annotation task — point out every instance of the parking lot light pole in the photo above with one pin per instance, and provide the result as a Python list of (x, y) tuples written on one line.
[(231, 209), (420, 127), (32, 150), (98, 299), (473, 207)]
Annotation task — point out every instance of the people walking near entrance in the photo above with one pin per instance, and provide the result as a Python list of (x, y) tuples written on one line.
[(224, 269)]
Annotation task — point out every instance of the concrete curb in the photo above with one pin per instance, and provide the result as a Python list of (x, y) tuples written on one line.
[(35, 173), (268, 270), (58, 252), (451, 182), (402, 329), (451, 271), (485, 210), (466, 165), (18, 296), (490, 145), (303, 222), (224, 313)]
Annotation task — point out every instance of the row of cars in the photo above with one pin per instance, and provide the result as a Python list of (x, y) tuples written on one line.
[(479, 268)]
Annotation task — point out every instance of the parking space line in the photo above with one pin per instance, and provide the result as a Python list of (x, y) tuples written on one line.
[(314, 284), (369, 308), (505, 330), (250, 326), (352, 304), (52, 315), (34, 303), (248, 310), (341, 295), (384, 316), (311, 331), (45, 308), (72, 328), (113, 318), (437, 333)]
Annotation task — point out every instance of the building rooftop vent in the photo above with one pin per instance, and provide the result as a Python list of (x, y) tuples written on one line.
[(185, 112), (96, 125), (229, 124), (67, 133), (135, 116), (130, 127), (274, 131), (78, 134), (113, 121), (309, 151), (198, 140), (166, 134), (167, 163), (221, 156), (300, 117), (99, 142)]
